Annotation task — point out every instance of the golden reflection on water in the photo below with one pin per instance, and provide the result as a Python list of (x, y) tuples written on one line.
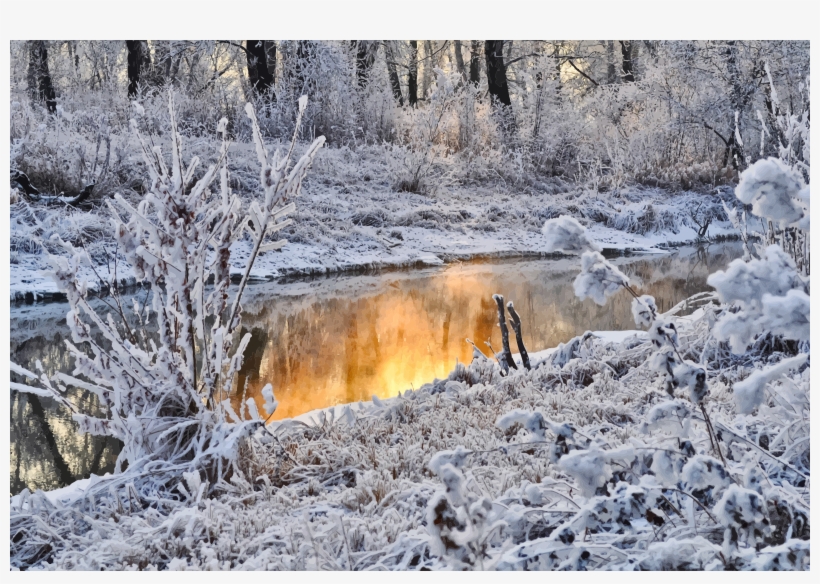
[(412, 330), (341, 339)]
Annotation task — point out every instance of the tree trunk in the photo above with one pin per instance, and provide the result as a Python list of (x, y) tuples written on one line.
[(259, 74), (162, 54), (365, 56), (413, 75), (475, 63), (626, 59), (395, 84), (496, 72), (428, 68), (139, 61), (460, 61), (610, 63), (734, 150), (39, 77)]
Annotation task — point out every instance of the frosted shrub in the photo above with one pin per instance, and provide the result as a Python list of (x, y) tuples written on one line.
[(536, 426), (598, 278), (426, 138), (746, 283), (566, 234), (590, 469), (533, 422), (459, 521), (788, 315), (702, 473), (644, 310), (742, 512), (771, 187), (166, 400), (750, 392)]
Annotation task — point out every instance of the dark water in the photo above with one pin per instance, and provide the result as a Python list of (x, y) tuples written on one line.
[(333, 340)]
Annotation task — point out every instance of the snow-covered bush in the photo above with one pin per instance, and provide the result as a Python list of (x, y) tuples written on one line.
[(774, 278), (166, 398), (566, 234), (771, 188), (598, 278), (750, 392)]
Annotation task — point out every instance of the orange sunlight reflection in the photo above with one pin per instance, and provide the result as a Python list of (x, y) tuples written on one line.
[(325, 349)]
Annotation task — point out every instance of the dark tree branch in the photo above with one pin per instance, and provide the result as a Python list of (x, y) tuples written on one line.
[(515, 321), (505, 332), (595, 83)]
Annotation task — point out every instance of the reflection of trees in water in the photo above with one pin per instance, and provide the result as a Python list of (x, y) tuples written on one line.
[(47, 452)]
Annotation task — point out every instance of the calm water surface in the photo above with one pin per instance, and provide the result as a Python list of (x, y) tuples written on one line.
[(332, 340)]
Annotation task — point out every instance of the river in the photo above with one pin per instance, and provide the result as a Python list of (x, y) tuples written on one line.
[(338, 339)]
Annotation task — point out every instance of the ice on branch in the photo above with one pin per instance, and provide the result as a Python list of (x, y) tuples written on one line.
[(270, 401)]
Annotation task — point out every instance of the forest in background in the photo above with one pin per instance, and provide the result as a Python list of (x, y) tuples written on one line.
[(672, 114)]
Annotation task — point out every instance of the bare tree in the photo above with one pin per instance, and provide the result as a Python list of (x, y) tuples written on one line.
[(738, 98), (139, 62), (428, 68), (497, 72), (259, 74), (413, 75), (395, 84), (365, 57), (475, 62), (460, 60), (610, 62), (304, 54), (39, 77)]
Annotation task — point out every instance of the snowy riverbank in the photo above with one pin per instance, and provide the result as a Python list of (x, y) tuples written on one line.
[(373, 230)]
